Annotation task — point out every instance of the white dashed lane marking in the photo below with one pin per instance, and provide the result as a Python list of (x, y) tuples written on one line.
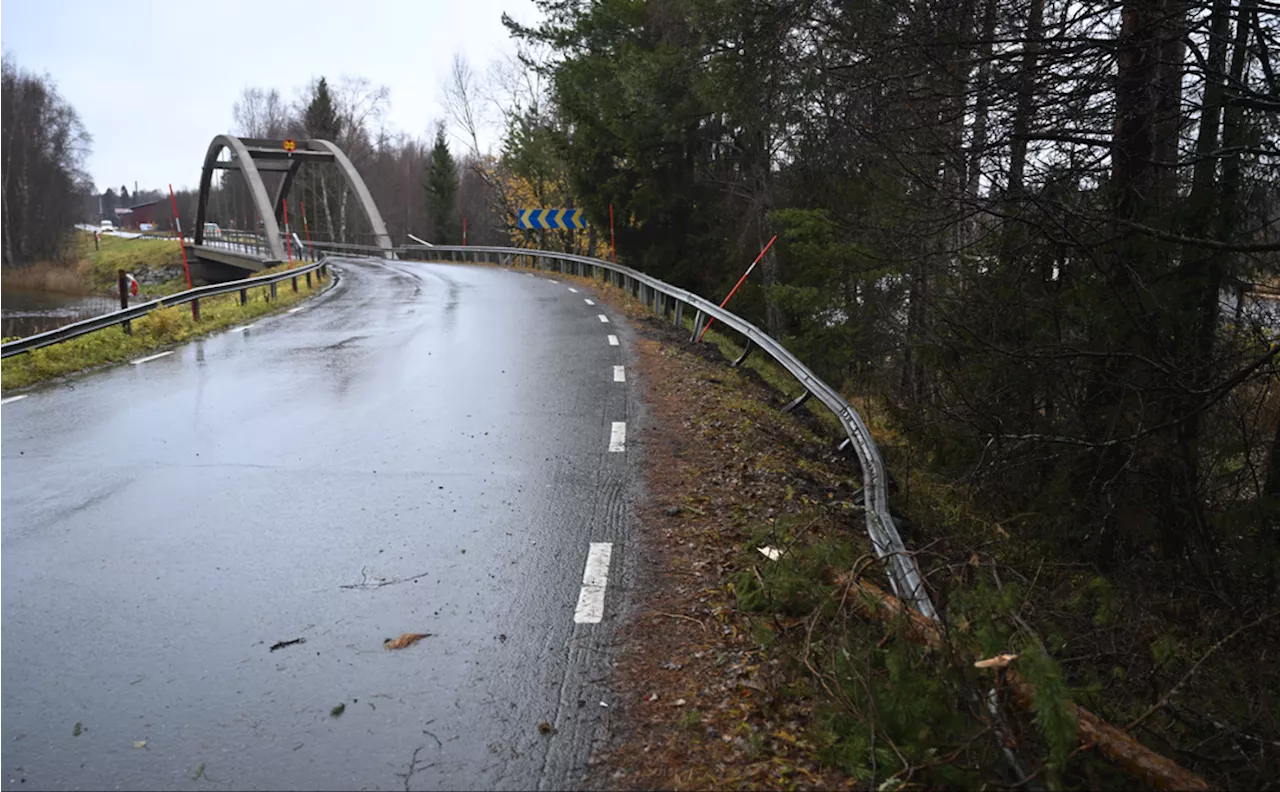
[(151, 358), (595, 578), (604, 319), (575, 291), (613, 340), (618, 437), (619, 374), (589, 302)]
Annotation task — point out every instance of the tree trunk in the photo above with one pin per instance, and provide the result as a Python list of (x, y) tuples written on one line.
[(982, 105), (1026, 98)]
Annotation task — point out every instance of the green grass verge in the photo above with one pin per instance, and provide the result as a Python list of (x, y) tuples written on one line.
[(99, 267), (157, 330)]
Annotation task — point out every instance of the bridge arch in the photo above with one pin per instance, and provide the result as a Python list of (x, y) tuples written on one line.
[(246, 153)]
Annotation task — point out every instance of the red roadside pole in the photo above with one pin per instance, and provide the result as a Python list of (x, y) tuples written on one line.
[(177, 224), (288, 238), (739, 283), (307, 228), (613, 246)]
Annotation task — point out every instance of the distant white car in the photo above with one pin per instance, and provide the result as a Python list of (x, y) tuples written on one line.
[(106, 225), (212, 230)]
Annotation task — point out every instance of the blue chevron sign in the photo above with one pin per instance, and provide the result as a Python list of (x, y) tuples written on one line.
[(552, 218)]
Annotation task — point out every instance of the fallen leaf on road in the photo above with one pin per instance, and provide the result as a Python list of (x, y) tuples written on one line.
[(545, 728), (283, 644), (199, 773), (338, 710), (75, 732), (139, 743), (406, 640)]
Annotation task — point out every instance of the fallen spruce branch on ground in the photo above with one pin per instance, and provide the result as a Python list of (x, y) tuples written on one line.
[(1117, 745)]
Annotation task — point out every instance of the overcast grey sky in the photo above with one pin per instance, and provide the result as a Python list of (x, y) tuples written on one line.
[(154, 81)]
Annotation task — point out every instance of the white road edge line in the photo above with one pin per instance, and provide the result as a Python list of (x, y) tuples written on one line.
[(595, 578), (14, 398), (613, 340), (151, 358), (575, 291), (553, 280), (604, 318), (295, 310), (619, 374), (618, 437), (241, 328)]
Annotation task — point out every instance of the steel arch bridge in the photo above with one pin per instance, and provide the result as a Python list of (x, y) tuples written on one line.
[(219, 260)]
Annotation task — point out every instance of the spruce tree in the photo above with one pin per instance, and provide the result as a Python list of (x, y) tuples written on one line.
[(442, 192)]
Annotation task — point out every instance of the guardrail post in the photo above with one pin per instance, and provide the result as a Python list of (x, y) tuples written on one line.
[(273, 291), (679, 313), (195, 309), (746, 350), (295, 282), (244, 296), (308, 280), (123, 285), (796, 402), (697, 324)]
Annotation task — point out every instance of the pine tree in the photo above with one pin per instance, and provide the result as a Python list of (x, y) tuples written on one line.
[(442, 192)]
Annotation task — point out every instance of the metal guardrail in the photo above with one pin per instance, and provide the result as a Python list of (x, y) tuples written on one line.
[(662, 298), (140, 310)]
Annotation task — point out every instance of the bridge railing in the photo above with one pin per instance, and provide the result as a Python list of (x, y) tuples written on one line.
[(670, 302), (126, 315)]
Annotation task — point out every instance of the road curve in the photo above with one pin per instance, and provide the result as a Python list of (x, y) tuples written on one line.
[(425, 448)]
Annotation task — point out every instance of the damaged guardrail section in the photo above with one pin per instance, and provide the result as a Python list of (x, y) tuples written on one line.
[(667, 300)]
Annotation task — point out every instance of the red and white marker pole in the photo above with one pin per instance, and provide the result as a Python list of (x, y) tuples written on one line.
[(613, 246), (182, 244), (307, 228), (739, 283)]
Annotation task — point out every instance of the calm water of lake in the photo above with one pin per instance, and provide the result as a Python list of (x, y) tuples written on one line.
[(24, 313)]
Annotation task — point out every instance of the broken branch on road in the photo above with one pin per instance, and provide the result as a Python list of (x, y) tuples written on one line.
[(366, 583), (283, 644)]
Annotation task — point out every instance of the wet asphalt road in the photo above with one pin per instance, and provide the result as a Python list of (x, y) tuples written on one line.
[(436, 433)]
